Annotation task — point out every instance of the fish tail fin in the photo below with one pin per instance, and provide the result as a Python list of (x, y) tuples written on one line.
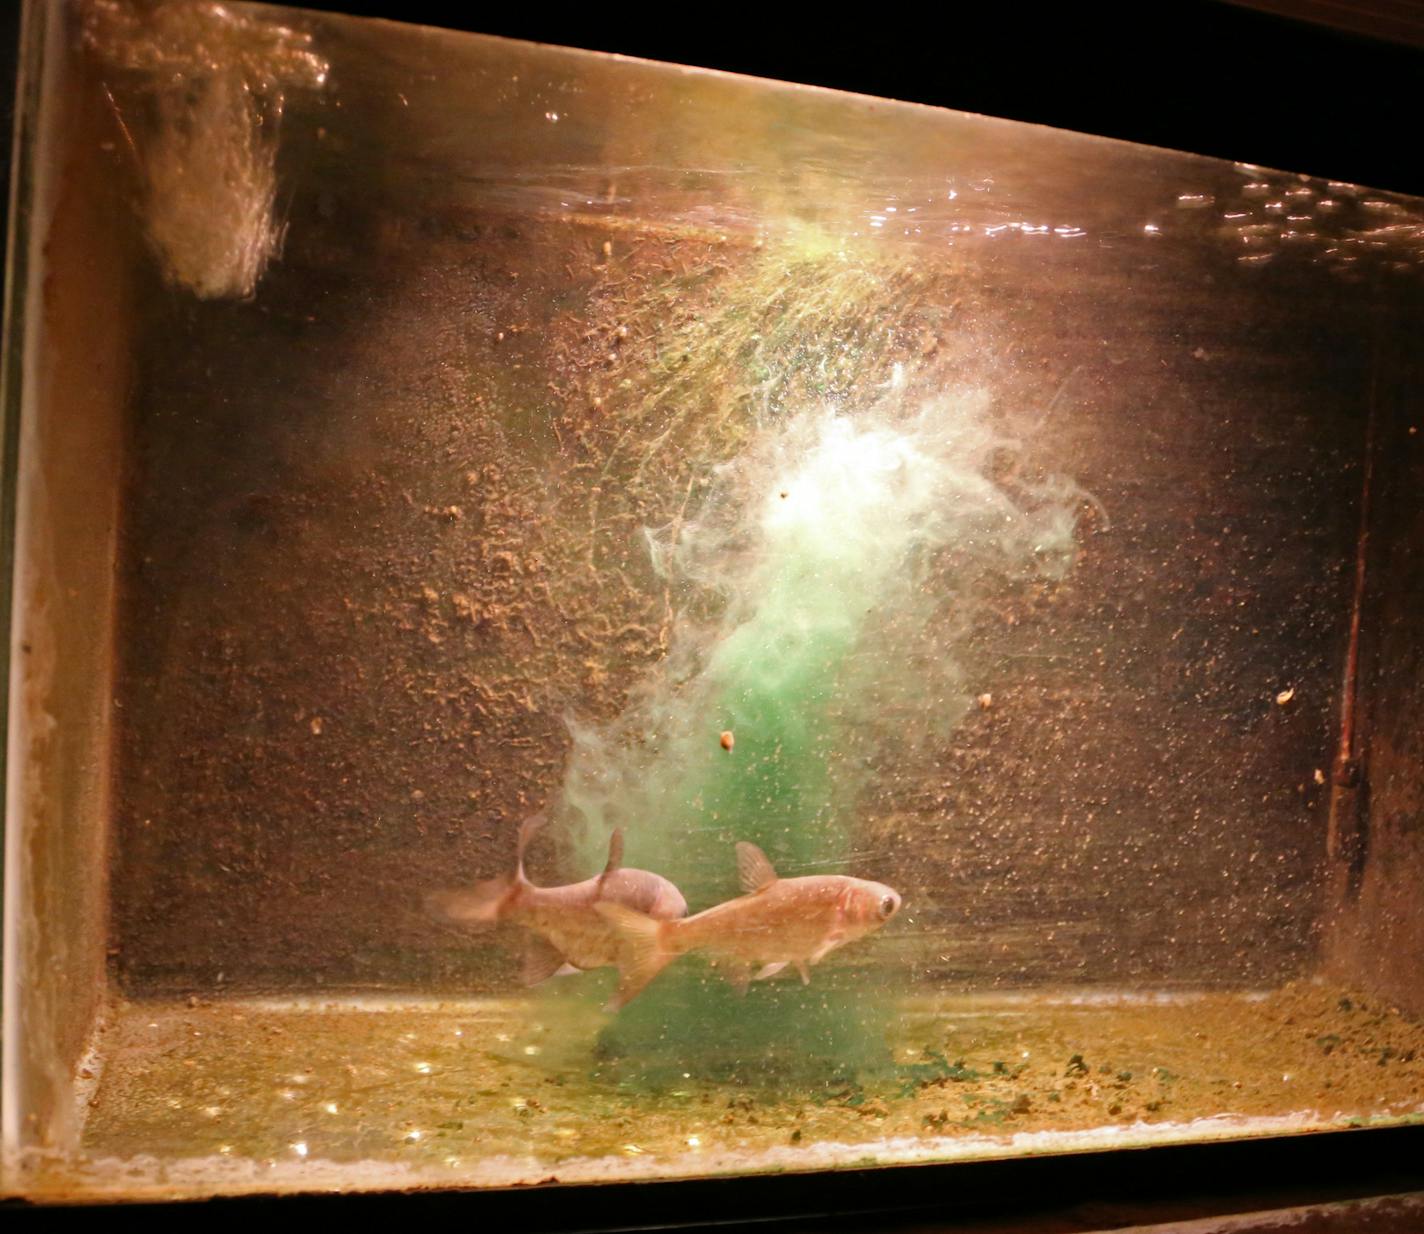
[(484, 903), (646, 951), (480, 905)]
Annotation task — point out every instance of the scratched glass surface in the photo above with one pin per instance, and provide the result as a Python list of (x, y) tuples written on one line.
[(667, 624)]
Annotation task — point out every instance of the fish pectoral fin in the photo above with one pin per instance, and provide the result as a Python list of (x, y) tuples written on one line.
[(542, 960), (828, 945), (769, 970), (804, 969), (754, 871), (739, 978)]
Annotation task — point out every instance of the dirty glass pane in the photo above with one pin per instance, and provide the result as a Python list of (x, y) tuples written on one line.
[(952, 562)]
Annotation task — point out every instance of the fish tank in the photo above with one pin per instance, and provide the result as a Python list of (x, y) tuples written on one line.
[(580, 621)]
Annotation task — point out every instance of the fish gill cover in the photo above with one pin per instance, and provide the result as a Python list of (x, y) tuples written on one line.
[(820, 590)]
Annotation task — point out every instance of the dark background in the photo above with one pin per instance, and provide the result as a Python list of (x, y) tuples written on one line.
[(1310, 95)]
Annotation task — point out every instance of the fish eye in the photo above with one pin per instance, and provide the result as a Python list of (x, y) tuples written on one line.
[(888, 905)]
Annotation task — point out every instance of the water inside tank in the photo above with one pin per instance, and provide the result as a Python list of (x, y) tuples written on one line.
[(904, 577)]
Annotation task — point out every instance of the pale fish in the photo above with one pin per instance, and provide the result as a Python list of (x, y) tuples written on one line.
[(778, 922), (571, 936)]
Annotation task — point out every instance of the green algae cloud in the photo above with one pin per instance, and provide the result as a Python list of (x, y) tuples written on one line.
[(828, 575)]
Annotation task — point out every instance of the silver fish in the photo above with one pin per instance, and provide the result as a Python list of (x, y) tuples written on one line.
[(779, 921), (570, 935)]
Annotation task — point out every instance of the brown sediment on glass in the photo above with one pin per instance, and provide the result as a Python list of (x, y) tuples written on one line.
[(461, 555)]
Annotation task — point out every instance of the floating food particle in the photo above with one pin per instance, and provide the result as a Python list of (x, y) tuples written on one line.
[(728, 741), (985, 701), (1319, 776), (316, 726), (1285, 696)]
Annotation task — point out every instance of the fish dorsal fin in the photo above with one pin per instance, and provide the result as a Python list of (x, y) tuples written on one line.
[(753, 869), (615, 852), (526, 833)]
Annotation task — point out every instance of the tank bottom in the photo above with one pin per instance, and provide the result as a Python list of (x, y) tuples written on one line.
[(240, 1095)]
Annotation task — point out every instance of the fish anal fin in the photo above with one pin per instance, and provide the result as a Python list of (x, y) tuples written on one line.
[(769, 970), (568, 970), (542, 960), (754, 871)]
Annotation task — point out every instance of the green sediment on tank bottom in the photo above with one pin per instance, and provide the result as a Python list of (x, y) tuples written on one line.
[(425, 1087)]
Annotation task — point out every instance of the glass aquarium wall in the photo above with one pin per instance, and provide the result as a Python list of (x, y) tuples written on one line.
[(577, 619)]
